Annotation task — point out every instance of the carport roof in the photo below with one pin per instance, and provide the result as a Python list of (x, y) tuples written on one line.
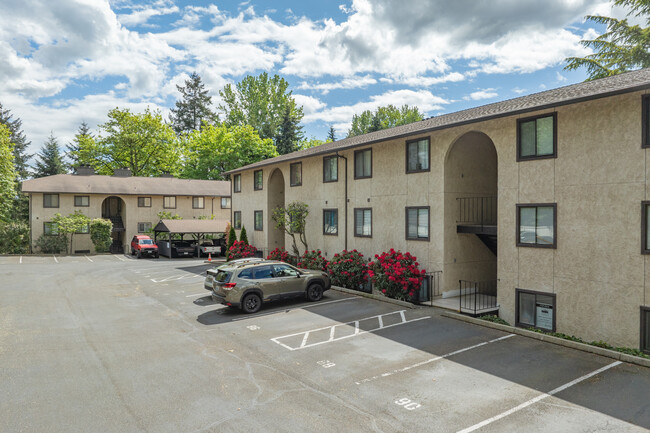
[(132, 185), (191, 226)]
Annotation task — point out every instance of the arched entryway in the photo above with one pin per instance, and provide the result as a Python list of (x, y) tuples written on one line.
[(470, 240), (275, 199), (114, 209)]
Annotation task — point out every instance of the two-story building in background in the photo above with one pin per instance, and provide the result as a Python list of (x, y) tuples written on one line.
[(132, 203), (540, 203)]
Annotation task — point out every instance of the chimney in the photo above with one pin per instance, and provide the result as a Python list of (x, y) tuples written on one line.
[(84, 170), (122, 172)]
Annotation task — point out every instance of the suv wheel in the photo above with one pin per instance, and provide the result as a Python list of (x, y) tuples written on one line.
[(314, 292), (251, 303)]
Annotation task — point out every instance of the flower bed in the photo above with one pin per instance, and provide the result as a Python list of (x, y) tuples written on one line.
[(313, 260), (397, 275), (348, 269), (282, 255), (240, 250)]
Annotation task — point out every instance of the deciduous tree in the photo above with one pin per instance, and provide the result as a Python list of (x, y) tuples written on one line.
[(71, 224), (383, 118), (7, 174), (293, 221)]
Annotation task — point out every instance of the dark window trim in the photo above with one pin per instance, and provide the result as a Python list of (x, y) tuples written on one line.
[(528, 119), (261, 187), (645, 112), (227, 198), (81, 205), (406, 152), (518, 226), (325, 158), (291, 171), (645, 249), (58, 202), (337, 221), (406, 223), (255, 220), (144, 201), (198, 207), (235, 214), (169, 207), (356, 235), (144, 222), (368, 149), (644, 315), (534, 292), (234, 183)]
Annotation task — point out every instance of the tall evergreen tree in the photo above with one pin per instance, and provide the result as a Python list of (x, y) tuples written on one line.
[(194, 107), (289, 133), (331, 134), (49, 160), (17, 137), (74, 148)]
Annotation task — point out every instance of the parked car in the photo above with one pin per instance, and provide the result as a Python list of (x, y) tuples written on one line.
[(182, 249), (209, 246), (210, 273), (142, 245), (248, 285)]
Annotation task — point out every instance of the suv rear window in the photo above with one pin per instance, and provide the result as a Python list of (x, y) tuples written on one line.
[(223, 276)]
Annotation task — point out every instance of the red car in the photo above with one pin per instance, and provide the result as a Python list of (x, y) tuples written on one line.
[(142, 245)]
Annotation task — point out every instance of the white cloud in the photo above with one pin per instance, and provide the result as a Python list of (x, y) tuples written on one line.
[(482, 94), (309, 104), (346, 83)]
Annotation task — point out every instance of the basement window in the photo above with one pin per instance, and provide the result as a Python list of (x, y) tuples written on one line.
[(535, 310)]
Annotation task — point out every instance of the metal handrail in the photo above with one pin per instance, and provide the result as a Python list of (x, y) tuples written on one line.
[(477, 296), (477, 210)]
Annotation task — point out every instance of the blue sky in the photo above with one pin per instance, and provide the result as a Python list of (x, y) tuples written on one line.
[(68, 61)]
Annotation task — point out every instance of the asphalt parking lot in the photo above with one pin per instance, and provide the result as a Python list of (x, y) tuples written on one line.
[(113, 344)]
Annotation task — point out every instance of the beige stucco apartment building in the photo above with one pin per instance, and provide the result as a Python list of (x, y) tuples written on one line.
[(539, 202), (132, 203)]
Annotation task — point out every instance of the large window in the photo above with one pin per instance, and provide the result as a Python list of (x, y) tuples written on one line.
[(363, 163), (537, 137), (169, 202), (295, 174), (50, 229), (259, 220), (81, 201), (535, 309), (417, 155), (50, 200), (225, 203), (258, 180), (363, 222), (144, 227), (417, 223), (198, 202), (236, 219), (646, 121), (144, 201), (330, 222), (331, 169), (236, 183), (645, 329), (536, 225)]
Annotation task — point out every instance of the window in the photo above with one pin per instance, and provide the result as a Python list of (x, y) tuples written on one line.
[(198, 202), (144, 227), (259, 221), (50, 229), (236, 183), (50, 200), (646, 121), (417, 223), (363, 163), (295, 174), (417, 155), (537, 137), (330, 221), (284, 271), (236, 219), (257, 180), (363, 222), (81, 201), (84, 230), (536, 225), (225, 203), (645, 329), (331, 169), (144, 201), (535, 309), (169, 202), (263, 272)]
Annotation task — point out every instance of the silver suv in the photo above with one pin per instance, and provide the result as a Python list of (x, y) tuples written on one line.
[(248, 285)]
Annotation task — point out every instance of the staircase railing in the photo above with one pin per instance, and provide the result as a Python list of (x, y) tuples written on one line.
[(480, 211), (478, 297)]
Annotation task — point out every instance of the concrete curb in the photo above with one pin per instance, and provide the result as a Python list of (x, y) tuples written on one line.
[(375, 297), (624, 357)]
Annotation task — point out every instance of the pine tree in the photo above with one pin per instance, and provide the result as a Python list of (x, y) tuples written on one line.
[(49, 160), (17, 137), (232, 237), (194, 107), (74, 147), (290, 132), (243, 236), (331, 135)]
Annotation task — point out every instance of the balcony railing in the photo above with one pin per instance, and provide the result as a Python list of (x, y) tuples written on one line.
[(477, 211), (430, 286), (478, 297)]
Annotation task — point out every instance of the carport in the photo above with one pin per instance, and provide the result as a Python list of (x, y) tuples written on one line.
[(197, 228)]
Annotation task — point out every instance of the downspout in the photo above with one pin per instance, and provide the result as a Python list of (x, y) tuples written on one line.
[(346, 198)]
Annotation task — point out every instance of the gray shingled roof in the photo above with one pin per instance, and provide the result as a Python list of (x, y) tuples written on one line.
[(623, 83), (96, 184), (191, 226)]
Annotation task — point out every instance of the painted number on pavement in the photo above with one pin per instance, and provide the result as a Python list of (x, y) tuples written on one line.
[(407, 404), (253, 327), (326, 364)]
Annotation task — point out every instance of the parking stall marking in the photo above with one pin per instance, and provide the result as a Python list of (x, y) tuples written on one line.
[(286, 310), (55, 258), (332, 330), (429, 361), (538, 398)]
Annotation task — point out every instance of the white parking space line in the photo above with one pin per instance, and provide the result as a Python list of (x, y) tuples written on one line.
[(357, 332), (428, 361), (175, 277), (120, 258), (538, 398), (88, 258), (55, 259), (291, 309), (21, 260)]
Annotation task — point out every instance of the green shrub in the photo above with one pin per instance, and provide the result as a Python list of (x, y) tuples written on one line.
[(493, 318), (348, 269), (232, 238), (243, 237), (600, 343), (100, 234), (52, 244), (313, 260), (14, 238)]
